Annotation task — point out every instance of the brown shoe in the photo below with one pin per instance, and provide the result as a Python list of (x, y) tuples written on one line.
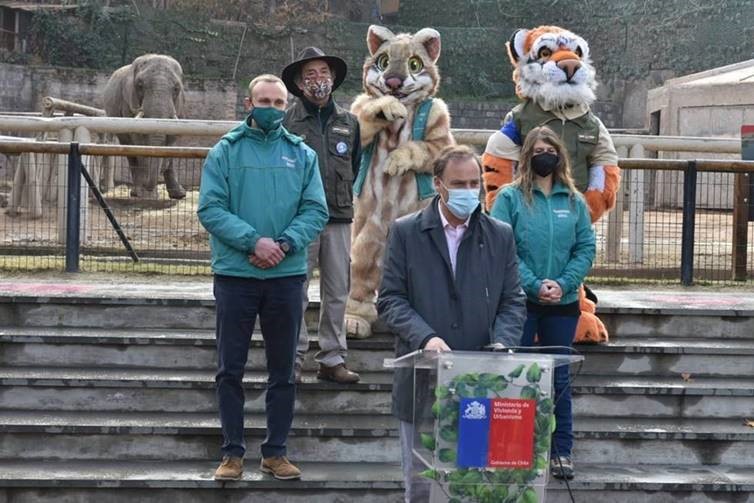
[(230, 469), (280, 468), (339, 374)]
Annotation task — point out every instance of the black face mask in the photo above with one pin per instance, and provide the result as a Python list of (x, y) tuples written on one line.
[(544, 164)]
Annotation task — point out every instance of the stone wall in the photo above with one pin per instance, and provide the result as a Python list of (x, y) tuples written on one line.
[(23, 87)]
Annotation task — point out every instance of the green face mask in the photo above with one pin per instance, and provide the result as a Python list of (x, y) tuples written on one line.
[(267, 118)]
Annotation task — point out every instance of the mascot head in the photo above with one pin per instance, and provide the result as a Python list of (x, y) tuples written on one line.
[(552, 67), (404, 66)]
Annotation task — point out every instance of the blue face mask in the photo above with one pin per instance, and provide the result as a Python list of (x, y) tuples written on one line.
[(267, 118), (462, 202)]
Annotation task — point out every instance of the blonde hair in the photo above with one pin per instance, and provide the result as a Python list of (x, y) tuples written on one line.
[(525, 177), (265, 77)]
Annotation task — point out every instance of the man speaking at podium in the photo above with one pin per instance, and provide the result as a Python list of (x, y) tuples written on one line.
[(450, 281)]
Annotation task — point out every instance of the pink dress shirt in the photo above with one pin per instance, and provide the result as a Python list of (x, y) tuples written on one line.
[(453, 236)]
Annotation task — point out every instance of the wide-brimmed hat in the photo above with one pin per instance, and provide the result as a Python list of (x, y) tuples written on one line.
[(290, 72)]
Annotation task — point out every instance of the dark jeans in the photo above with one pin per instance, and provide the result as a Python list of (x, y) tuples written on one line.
[(278, 304), (556, 331)]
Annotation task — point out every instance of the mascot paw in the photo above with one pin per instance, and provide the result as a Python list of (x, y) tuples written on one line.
[(386, 108), (590, 330), (357, 327), (359, 319), (399, 162)]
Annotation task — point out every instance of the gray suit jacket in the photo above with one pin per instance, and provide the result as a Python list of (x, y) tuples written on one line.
[(420, 298)]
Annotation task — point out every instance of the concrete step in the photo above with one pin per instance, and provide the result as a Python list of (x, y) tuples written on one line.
[(190, 482), (662, 397), (664, 441), (143, 390), (647, 483), (182, 348), (669, 356), (195, 349), (721, 324), (184, 482), (147, 436), (627, 313), (138, 436)]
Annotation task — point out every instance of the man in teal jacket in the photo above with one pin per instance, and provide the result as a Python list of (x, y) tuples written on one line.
[(262, 201)]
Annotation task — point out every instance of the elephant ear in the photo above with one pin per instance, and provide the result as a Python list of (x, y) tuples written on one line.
[(134, 101), (180, 100)]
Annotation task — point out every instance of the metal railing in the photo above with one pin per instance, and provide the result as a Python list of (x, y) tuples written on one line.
[(643, 238)]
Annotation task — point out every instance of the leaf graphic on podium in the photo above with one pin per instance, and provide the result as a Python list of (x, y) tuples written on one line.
[(436, 409), (447, 455), (442, 392), (530, 392), (428, 441), (517, 371), (449, 433), (529, 496), (430, 474), (534, 374)]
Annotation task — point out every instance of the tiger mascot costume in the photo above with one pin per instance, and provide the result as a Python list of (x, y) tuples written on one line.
[(403, 128), (555, 79)]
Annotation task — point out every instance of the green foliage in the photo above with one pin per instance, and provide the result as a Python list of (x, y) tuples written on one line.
[(670, 32), (92, 37)]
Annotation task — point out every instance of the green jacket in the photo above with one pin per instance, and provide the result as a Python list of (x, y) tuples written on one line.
[(256, 185), (554, 238), (581, 135)]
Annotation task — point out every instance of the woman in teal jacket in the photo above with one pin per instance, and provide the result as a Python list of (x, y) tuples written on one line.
[(556, 247)]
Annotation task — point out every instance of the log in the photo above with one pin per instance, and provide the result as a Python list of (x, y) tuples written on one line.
[(52, 105)]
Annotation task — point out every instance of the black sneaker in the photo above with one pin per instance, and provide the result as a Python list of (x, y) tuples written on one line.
[(561, 467)]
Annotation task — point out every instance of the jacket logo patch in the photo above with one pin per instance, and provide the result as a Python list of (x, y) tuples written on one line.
[(587, 137), (341, 130), (291, 163), (562, 213), (341, 147)]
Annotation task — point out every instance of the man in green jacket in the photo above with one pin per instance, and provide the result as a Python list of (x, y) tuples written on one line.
[(262, 202), (333, 133)]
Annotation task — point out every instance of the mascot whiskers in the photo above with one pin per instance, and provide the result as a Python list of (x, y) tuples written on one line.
[(555, 79), (403, 128)]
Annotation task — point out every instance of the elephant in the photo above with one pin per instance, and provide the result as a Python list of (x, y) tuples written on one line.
[(150, 87)]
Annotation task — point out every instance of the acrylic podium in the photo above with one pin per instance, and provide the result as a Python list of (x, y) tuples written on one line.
[(483, 422)]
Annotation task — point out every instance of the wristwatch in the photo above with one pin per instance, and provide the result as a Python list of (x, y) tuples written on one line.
[(284, 245)]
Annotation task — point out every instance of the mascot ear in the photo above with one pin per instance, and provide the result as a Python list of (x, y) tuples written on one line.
[(376, 36), (516, 45), (430, 39)]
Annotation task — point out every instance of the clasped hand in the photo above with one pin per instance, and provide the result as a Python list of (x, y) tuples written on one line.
[(267, 253), (550, 292)]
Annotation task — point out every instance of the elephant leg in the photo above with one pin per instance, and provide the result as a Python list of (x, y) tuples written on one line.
[(175, 189), (144, 177), (137, 176), (154, 165), (19, 185)]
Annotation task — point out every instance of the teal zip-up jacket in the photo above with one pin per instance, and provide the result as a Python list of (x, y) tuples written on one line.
[(554, 238), (258, 185)]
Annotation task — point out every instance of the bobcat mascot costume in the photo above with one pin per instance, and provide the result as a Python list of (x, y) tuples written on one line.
[(555, 78), (403, 128)]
